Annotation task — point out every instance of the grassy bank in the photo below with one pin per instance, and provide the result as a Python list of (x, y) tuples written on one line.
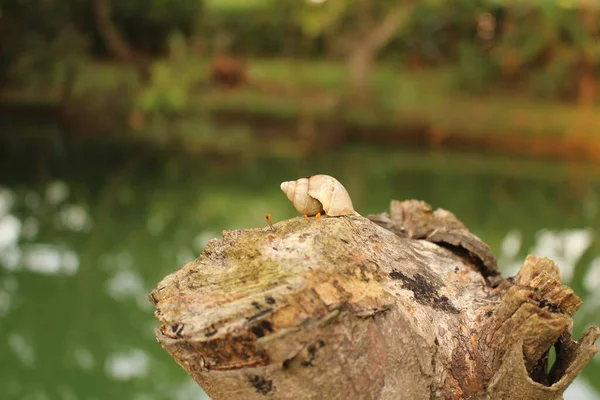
[(296, 106)]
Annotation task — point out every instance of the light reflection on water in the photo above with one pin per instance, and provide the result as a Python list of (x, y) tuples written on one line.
[(10, 227), (81, 248), (565, 248), (592, 277), (22, 349), (130, 364)]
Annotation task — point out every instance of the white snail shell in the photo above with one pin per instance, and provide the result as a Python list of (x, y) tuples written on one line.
[(317, 194)]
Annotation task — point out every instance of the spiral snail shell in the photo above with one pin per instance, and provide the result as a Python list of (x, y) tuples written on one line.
[(319, 193)]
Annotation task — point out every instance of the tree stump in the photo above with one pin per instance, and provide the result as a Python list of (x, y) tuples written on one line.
[(406, 305)]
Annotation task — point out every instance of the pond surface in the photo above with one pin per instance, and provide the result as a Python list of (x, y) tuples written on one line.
[(87, 232)]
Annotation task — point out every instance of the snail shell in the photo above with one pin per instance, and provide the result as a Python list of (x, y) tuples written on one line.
[(317, 194)]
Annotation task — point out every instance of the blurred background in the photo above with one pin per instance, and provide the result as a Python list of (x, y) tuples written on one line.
[(132, 132)]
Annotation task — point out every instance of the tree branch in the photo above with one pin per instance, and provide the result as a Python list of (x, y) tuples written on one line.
[(112, 38), (385, 30)]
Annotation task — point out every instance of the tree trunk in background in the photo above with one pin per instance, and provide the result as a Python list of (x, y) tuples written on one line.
[(406, 305), (360, 65), (365, 49), (114, 41)]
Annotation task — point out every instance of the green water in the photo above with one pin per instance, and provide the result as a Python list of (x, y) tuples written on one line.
[(86, 233)]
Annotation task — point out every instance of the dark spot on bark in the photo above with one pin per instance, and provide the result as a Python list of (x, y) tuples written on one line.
[(396, 275), (436, 341), (177, 329), (286, 364), (344, 240), (312, 350), (312, 353), (259, 314), (262, 385), (262, 328), (489, 313), (456, 270), (230, 353), (211, 333), (552, 307), (258, 331), (270, 300), (256, 305), (266, 325), (425, 292)]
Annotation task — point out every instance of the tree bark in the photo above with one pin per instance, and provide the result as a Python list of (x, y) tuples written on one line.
[(405, 305), (114, 40)]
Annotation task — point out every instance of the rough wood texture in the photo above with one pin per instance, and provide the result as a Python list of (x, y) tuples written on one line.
[(357, 308)]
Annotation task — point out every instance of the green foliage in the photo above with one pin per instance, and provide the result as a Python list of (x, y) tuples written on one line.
[(43, 62), (166, 93), (171, 80), (239, 5), (35, 34), (173, 102), (148, 23), (257, 27), (38, 42), (542, 47), (475, 69), (316, 18)]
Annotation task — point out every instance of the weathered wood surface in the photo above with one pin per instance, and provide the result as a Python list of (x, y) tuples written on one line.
[(357, 308)]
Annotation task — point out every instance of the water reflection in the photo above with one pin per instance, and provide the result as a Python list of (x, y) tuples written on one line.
[(592, 277), (80, 247), (73, 217), (56, 192), (10, 227), (49, 259), (564, 247), (580, 390), (30, 228), (6, 200), (130, 364), (84, 358), (22, 349)]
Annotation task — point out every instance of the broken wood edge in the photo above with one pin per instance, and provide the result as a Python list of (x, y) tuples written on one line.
[(416, 219), (535, 312), (514, 381)]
